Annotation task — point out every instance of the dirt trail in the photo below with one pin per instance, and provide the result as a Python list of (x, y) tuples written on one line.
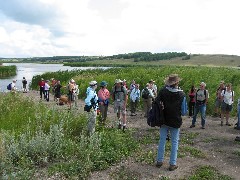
[(216, 142)]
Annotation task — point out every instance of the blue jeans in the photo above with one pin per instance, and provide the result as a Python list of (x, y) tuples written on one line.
[(202, 109), (174, 132)]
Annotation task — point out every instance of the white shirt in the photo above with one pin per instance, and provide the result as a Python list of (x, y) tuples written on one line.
[(227, 97), (46, 87), (13, 86)]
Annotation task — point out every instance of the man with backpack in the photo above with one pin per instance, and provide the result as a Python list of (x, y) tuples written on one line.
[(119, 95), (24, 83), (173, 101), (147, 97), (91, 106), (202, 96), (227, 98)]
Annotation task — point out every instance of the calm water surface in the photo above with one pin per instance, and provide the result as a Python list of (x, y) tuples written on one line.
[(28, 70)]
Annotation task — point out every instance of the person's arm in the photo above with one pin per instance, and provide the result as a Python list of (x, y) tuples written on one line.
[(184, 107)]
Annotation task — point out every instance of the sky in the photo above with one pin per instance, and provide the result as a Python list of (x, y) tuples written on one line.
[(40, 28)]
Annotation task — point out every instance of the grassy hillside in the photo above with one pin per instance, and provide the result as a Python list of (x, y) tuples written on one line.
[(195, 60)]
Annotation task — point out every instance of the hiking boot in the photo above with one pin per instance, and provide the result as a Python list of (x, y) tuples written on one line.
[(119, 126), (159, 164), (202, 127), (172, 167), (124, 127), (215, 115), (228, 124), (192, 126), (221, 123)]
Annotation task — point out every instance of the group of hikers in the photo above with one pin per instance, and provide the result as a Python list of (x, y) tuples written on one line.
[(170, 96)]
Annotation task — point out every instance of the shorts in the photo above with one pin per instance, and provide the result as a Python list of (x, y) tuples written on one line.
[(218, 103), (119, 106), (226, 107)]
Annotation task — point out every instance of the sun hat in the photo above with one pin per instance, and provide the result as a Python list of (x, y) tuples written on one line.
[(172, 79), (124, 80), (203, 84), (72, 81), (151, 81), (118, 81), (103, 83), (93, 83)]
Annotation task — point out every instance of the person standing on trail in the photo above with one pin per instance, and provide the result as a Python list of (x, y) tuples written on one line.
[(227, 97), (46, 90), (134, 99), (70, 88), (120, 96), (57, 91), (153, 87), (41, 85), (147, 97), (218, 101), (103, 98), (192, 100), (75, 93), (174, 104), (24, 84), (202, 96), (91, 106)]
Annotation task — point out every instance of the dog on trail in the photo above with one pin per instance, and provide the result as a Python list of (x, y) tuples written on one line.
[(62, 100)]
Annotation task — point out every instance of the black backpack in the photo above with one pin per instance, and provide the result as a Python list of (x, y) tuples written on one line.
[(156, 115), (145, 93)]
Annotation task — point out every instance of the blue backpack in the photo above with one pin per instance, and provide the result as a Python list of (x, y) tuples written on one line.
[(9, 87)]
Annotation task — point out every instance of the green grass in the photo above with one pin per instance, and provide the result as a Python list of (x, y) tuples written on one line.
[(123, 173), (34, 136), (190, 76), (208, 173), (191, 151)]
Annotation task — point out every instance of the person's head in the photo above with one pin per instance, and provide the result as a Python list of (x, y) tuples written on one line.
[(58, 81), (172, 80), (151, 81), (124, 82), (103, 84), (118, 82), (192, 88), (228, 86), (202, 85), (14, 80), (72, 81), (93, 84), (222, 84), (133, 81), (23, 77), (137, 86)]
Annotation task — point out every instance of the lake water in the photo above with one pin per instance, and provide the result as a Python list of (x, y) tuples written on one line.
[(28, 70)]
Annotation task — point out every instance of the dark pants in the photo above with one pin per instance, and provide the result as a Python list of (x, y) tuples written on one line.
[(41, 92), (46, 94), (191, 108), (133, 106)]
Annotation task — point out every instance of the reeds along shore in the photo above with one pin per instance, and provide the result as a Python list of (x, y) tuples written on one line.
[(7, 71)]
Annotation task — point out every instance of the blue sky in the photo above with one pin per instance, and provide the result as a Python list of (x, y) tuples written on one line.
[(105, 27)]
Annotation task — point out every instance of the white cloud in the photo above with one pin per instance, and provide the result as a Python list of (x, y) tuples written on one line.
[(91, 27)]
